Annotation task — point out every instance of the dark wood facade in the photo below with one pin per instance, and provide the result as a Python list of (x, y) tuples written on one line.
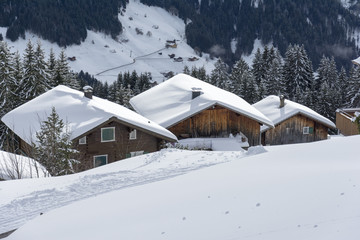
[(344, 123), (119, 149), (217, 121), (292, 131)]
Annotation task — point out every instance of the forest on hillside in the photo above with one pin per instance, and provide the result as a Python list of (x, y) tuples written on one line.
[(324, 27), (63, 22)]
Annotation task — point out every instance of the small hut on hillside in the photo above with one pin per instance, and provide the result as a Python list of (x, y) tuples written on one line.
[(294, 123)]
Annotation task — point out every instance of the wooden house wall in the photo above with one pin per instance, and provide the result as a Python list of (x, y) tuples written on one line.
[(291, 131), (116, 150), (218, 121), (345, 125)]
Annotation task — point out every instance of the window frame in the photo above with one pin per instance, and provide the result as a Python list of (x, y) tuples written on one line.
[(83, 138), (102, 155), (105, 128), (132, 137), (306, 130)]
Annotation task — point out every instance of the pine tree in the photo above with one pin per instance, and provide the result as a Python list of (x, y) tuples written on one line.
[(63, 75), (220, 77), (31, 88), (8, 84), (353, 94), (18, 73), (128, 94), (41, 67), (53, 148), (8, 87), (273, 81), (239, 77), (343, 87), (297, 71), (51, 65), (186, 70), (120, 92)]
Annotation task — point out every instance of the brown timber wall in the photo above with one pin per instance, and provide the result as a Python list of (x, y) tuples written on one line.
[(116, 150), (218, 121), (291, 131), (345, 125)]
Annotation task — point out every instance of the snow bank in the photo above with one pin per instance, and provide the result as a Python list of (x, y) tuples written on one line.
[(14, 166), (280, 194)]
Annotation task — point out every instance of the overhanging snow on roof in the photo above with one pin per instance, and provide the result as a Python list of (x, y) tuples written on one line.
[(81, 113), (269, 106), (171, 101)]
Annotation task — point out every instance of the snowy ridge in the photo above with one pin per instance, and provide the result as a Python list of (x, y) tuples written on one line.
[(81, 113), (171, 101), (269, 106)]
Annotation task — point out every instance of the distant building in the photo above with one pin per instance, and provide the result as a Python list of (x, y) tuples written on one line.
[(191, 108), (102, 131), (294, 123), (345, 121)]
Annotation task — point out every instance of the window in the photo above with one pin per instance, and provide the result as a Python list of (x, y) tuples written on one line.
[(137, 153), (100, 160), (287, 130), (132, 135), (82, 140), (108, 134), (308, 130)]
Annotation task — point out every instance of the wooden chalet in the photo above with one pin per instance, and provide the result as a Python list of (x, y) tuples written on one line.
[(345, 121), (294, 123), (191, 108), (102, 131)]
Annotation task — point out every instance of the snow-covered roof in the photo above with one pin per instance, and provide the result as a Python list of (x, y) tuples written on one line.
[(81, 113), (269, 106), (171, 101), (356, 61)]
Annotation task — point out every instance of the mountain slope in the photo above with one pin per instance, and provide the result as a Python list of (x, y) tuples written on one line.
[(324, 27), (130, 50)]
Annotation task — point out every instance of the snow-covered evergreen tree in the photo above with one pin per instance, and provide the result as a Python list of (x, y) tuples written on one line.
[(40, 65), (353, 94), (54, 147), (219, 76), (297, 70), (239, 77), (51, 65), (8, 84), (128, 94), (63, 75)]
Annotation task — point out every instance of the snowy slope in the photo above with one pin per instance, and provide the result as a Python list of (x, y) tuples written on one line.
[(280, 194), (100, 52)]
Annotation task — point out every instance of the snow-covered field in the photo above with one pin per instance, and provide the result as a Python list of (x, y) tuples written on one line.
[(100, 52), (300, 191)]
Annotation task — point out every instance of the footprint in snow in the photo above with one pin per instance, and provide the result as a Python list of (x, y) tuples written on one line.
[(315, 226), (227, 212), (258, 204), (184, 218), (342, 194)]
